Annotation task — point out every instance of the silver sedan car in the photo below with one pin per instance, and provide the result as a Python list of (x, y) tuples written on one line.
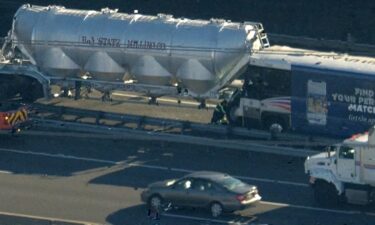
[(218, 192)]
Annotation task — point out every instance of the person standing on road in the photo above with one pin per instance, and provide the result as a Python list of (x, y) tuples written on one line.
[(153, 213)]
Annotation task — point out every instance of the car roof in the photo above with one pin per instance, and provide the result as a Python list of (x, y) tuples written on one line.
[(209, 175)]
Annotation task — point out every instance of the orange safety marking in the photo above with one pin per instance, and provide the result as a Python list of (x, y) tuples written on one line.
[(17, 117)]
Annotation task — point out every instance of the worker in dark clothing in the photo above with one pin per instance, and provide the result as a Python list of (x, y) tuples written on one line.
[(153, 213), (254, 88), (77, 94), (219, 116), (106, 96)]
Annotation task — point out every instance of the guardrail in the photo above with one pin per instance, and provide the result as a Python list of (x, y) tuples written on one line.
[(235, 138), (161, 122), (184, 126), (321, 44), (126, 133)]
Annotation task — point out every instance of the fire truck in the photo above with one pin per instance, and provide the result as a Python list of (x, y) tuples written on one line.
[(13, 117)]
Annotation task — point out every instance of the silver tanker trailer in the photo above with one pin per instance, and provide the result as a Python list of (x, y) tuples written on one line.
[(109, 48)]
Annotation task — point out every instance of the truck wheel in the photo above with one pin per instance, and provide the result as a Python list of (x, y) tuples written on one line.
[(325, 193)]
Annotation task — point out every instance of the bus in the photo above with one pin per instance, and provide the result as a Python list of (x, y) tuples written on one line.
[(306, 91)]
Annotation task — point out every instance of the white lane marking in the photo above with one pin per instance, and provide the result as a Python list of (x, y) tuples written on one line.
[(311, 208), (143, 166), (48, 218), (202, 219), (369, 214), (163, 99), (161, 168), (273, 181), (190, 171), (57, 156), (5, 172), (240, 177)]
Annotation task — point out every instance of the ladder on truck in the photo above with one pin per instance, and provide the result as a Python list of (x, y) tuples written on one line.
[(262, 35)]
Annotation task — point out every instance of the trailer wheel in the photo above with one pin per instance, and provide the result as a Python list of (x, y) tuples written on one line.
[(325, 193)]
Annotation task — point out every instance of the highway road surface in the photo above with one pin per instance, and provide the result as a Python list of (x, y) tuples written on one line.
[(68, 177)]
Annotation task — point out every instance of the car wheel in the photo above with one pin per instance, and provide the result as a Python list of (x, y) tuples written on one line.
[(155, 201), (216, 209)]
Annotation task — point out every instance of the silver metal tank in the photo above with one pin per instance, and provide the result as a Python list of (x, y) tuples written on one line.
[(199, 55)]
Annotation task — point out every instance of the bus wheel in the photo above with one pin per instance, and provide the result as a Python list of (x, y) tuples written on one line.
[(274, 124)]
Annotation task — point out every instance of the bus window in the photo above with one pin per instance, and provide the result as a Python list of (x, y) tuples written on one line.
[(264, 83)]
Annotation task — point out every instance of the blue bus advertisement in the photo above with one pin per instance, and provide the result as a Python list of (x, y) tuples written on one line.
[(332, 102)]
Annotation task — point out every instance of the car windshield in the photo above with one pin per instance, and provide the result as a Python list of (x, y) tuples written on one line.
[(231, 183)]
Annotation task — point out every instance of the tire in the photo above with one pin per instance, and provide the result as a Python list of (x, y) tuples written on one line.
[(216, 209), (325, 193), (155, 201), (268, 122)]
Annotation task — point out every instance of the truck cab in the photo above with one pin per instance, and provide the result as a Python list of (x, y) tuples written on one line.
[(343, 172)]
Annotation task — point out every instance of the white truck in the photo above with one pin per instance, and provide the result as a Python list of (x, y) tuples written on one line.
[(345, 172)]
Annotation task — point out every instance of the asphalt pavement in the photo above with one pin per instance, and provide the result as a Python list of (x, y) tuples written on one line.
[(87, 180)]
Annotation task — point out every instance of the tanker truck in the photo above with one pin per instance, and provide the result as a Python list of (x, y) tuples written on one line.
[(345, 172), (158, 55)]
